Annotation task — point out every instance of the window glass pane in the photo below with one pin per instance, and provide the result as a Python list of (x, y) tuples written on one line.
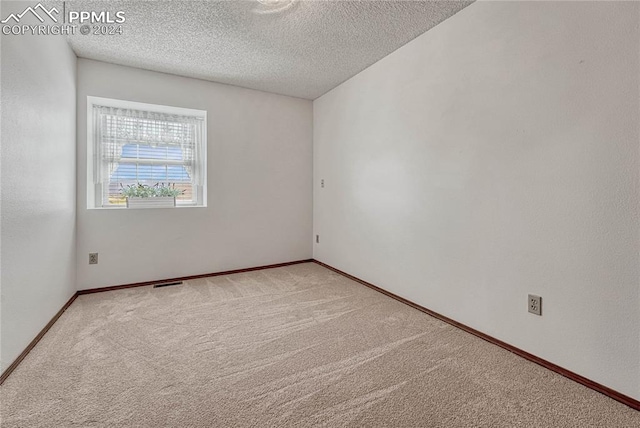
[(131, 173), (124, 172), (144, 172), (174, 153), (159, 172), (130, 151), (151, 152), (177, 173)]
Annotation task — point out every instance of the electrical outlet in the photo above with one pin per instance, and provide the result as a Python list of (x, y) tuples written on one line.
[(93, 258), (535, 304), (317, 239), (322, 183)]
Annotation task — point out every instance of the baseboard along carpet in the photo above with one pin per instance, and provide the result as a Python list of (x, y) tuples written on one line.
[(292, 346)]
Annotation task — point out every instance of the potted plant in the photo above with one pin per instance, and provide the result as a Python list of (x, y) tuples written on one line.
[(145, 196)]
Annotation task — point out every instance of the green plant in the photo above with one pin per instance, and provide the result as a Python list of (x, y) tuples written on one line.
[(168, 190), (145, 191)]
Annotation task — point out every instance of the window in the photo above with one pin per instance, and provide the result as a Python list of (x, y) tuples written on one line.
[(134, 143)]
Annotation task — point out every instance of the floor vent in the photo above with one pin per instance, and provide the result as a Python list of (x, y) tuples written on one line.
[(167, 284)]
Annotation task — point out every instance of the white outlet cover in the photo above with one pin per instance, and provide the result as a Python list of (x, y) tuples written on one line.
[(534, 304)]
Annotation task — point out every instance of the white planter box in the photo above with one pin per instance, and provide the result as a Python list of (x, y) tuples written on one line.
[(157, 202)]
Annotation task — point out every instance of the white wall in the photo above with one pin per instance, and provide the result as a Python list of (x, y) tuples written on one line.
[(38, 184), (497, 155), (259, 184)]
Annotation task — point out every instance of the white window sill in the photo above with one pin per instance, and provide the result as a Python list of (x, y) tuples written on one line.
[(155, 208)]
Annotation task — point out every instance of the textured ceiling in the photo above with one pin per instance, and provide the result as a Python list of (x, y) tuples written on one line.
[(303, 50)]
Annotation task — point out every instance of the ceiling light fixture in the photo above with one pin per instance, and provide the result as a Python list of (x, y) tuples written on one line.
[(274, 6)]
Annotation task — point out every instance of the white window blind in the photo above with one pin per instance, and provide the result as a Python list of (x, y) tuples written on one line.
[(134, 146)]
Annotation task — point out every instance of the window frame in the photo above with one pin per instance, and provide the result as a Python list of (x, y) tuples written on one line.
[(94, 190)]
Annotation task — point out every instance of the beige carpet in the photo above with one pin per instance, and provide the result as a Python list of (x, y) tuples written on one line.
[(295, 346)]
